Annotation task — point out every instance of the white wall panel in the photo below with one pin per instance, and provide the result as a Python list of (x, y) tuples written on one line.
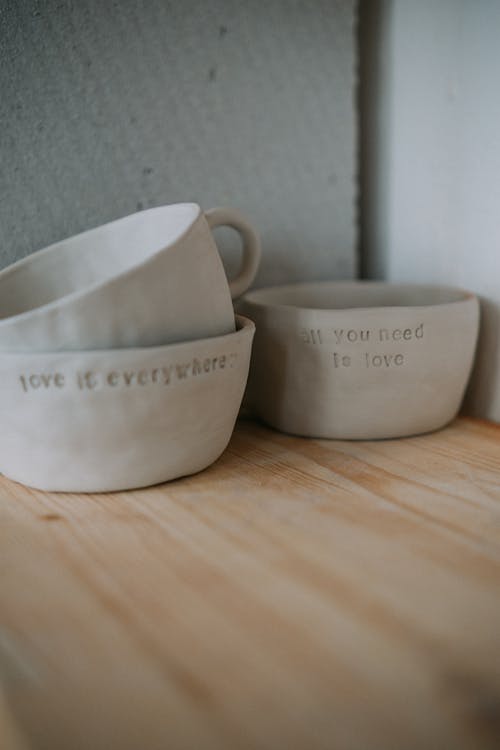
[(432, 147)]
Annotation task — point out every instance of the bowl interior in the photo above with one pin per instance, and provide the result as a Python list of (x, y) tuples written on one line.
[(360, 294)]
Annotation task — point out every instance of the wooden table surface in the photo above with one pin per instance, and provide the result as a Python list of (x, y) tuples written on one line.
[(299, 594)]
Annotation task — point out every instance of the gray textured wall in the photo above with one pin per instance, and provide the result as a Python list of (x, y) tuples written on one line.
[(108, 107)]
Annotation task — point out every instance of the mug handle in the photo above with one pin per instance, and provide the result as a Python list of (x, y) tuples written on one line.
[(229, 217)]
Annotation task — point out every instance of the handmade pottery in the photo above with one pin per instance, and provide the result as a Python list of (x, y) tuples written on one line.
[(360, 359), (152, 278), (115, 419)]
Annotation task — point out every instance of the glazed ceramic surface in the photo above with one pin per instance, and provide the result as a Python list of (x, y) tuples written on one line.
[(116, 419), (360, 359), (152, 278)]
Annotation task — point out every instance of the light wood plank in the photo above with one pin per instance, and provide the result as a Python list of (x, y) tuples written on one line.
[(298, 594)]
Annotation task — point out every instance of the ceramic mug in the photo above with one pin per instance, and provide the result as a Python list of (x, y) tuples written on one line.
[(93, 421), (151, 278), (360, 360)]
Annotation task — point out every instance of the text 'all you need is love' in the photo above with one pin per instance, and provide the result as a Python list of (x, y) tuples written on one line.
[(343, 337)]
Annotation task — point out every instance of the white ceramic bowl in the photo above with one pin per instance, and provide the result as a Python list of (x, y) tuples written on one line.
[(152, 278), (360, 359), (116, 419)]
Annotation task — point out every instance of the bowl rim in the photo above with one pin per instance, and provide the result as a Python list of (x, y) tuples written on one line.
[(257, 297)]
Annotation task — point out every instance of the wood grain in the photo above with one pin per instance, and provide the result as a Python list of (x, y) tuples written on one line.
[(299, 594)]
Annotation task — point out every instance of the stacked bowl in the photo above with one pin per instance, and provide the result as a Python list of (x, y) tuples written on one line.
[(121, 361)]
